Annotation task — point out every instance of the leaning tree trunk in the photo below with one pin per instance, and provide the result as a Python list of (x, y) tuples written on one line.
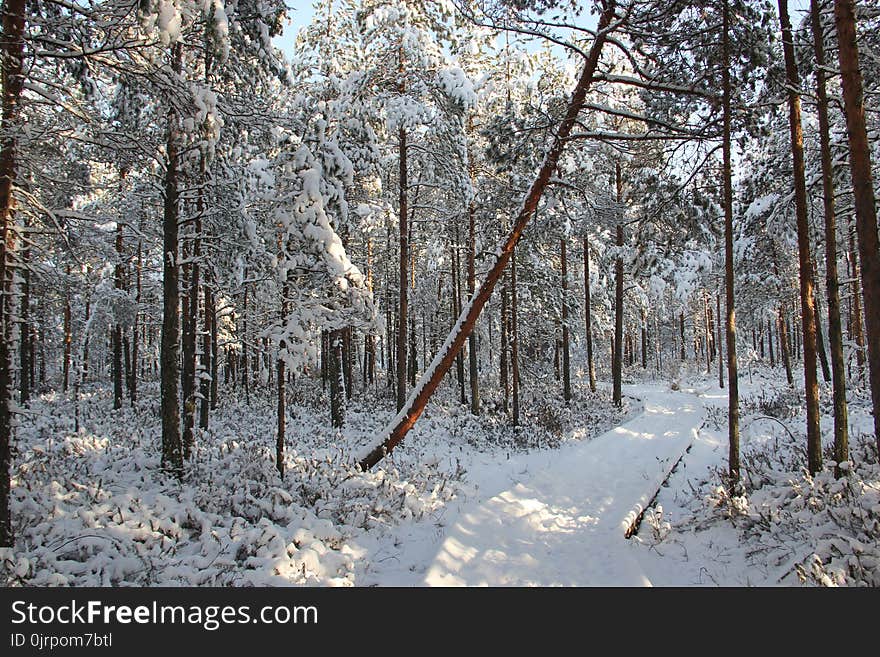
[(863, 191), (732, 375), (415, 405), (832, 285), (808, 309)]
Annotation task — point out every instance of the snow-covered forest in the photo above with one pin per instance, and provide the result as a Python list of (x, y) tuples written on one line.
[(448, 292)]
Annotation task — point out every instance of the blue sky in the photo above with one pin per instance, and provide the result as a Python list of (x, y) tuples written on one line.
[(301, 12)]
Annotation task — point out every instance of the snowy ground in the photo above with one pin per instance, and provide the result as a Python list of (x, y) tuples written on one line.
[(557, 517), (464, 501), (93, 507)]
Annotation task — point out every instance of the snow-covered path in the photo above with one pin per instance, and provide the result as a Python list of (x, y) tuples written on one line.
[(563, 521)]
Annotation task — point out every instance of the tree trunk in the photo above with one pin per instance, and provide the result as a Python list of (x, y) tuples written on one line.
[(588, 320), (172, 449), (190, 345), (25, 352), (863, 191), (456, 306), (135, 344), (820, 338), (399, 427), (719, 341), (617, 362), (282, 419), (707, 311), (11, 56), (514, 341), (473, 373), (206, 378), (783, 346), (117, 327), (770, 344), (856, 334), (402, 281), (566, 359), (732, 376), (337, 379), (68, 337), (808, 309), (683, 341), (504, 365), (832, 285)]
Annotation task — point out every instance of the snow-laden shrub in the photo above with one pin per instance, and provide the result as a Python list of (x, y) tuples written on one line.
[(818, 530)]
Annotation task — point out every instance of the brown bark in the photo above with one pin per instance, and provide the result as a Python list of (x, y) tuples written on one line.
[(832, 285), (808, 309), (732, 375), (863, 191), (408, 416)]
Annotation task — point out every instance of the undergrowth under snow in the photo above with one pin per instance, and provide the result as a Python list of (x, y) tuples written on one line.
[(94, 507)]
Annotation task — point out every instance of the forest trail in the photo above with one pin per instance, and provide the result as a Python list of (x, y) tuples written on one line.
[(562, 522)]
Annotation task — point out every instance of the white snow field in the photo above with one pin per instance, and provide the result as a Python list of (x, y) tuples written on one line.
[(562, 518)]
